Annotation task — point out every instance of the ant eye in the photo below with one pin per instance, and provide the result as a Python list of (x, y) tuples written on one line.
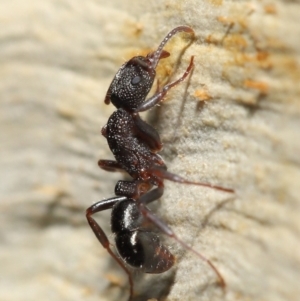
[(136, 80)]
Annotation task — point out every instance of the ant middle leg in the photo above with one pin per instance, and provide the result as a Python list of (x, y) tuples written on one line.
[(101, 236), (164, 174)]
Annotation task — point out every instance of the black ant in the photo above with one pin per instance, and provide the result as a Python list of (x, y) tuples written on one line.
[(135, 145)]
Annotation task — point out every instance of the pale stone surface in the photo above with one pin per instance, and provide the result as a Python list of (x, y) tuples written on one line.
[(235, 124)]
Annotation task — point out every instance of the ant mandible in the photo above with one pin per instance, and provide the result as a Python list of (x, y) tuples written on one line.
[(135, 144)]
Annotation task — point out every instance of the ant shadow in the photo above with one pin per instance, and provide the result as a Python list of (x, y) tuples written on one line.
[(155, 115), (218, 207), (160, 287), (55, 213)]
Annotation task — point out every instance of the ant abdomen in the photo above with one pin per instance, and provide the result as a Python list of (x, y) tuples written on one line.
[(140, 248), (143, 250)]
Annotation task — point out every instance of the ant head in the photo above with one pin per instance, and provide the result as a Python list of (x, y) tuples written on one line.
[(134, 79), (131, 84)]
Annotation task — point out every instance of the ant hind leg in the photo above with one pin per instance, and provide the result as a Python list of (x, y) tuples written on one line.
[(169, 232), (152, 195)]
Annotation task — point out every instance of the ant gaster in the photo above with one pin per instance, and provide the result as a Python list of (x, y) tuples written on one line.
[(135, 144)]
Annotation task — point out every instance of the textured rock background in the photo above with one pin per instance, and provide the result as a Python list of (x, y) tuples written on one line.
[(236, 124)]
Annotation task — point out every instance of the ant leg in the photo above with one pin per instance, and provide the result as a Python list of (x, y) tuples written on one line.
[(168, 231), (101, 236), (158, 97), (147, 133), (164, 174), (152, 195), (110, 165)]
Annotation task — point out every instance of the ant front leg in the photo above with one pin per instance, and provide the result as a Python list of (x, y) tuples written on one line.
[(101, 236), (158, 97)]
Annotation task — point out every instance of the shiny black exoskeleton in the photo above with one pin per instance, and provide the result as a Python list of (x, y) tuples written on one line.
[(135, 144), (136, 244)]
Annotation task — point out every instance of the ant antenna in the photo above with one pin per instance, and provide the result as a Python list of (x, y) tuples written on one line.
[(154, 57)]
